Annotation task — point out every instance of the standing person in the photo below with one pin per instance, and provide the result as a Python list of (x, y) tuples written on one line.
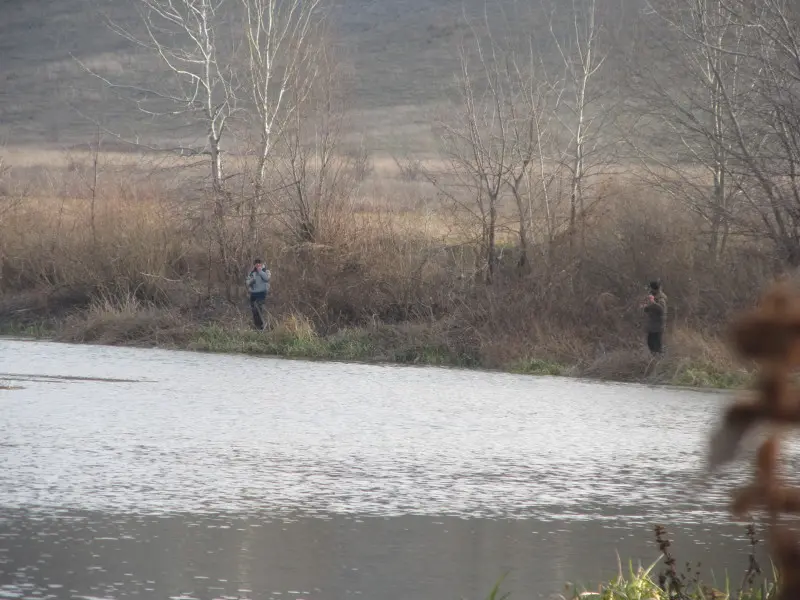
[(258, 285), (655, 309)]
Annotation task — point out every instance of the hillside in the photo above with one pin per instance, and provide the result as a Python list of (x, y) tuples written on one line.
[(402, 57)]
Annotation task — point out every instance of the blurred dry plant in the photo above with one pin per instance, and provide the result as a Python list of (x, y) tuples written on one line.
[(769, 335)]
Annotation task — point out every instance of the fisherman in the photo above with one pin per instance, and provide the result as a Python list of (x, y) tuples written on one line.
[(655, 309), (258, 285)]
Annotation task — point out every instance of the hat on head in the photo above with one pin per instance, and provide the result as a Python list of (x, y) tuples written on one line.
[(655, 285)]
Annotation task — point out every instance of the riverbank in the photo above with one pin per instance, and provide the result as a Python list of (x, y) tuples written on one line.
[(389, 274), (415, 344), (692, 359)]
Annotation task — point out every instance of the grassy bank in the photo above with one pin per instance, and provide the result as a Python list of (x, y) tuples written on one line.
[(692, 360), (425, 346)]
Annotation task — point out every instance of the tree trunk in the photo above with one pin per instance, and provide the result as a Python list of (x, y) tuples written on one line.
[(522, 262), (491, 249)]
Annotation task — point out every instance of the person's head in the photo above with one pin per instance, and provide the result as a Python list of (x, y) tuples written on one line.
[(258, 263), (655, 287)]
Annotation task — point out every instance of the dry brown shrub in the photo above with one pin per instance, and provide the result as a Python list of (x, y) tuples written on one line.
[(385, 260), (126, 321)]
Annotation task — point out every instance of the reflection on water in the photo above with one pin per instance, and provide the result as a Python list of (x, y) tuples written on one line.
[(177, 474), (397, 558)]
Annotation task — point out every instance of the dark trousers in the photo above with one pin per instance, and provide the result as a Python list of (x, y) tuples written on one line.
[(655, 341), (257, 302)]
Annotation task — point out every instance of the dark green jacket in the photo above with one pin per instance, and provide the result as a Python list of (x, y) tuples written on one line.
[(656, 313)]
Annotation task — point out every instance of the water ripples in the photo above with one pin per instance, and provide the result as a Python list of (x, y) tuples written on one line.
[(158, 432)]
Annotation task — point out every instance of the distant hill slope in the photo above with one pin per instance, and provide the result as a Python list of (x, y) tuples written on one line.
[(403, 54)]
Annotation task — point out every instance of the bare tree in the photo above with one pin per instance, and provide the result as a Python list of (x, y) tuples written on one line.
[(284, 40), (317, 180), (766, 132), (90, 177), (768, 137), (523, 130), (542, 199), (238, 69), (477, 146), (583, 60), (536, 160), (540, 155), (186, 37), (686, 98)]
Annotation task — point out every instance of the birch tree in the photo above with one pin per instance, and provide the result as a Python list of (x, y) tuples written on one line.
[(284, 40), (198, 94), (687, 96), (583, 60), (237, 71), (185, 36)]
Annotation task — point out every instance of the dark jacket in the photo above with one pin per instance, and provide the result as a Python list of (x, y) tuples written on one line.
[(656, 313)]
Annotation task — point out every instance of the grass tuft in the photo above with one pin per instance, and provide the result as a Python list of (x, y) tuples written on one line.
[(37, 330), (707, 375), (643, 583), (539, 366)]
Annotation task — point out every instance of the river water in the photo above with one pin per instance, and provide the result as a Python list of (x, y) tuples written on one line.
[(132, 473)]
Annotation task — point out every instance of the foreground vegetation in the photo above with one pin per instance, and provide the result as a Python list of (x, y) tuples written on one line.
[(672, 583), (641, 585)]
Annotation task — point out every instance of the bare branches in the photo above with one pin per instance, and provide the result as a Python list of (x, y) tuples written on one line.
[(185, 36), (521, 132), (583, 61), (238, 72), (692, 109), (283, 40), (317, 181), (767, 134), (734, 112), (478, 143)]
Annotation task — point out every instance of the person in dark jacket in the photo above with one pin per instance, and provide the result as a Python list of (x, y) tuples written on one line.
[(655, 309), (258, 285)]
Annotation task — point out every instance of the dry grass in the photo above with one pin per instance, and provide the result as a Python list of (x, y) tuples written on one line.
[(402, 274), (119, 321), (693, 359)]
